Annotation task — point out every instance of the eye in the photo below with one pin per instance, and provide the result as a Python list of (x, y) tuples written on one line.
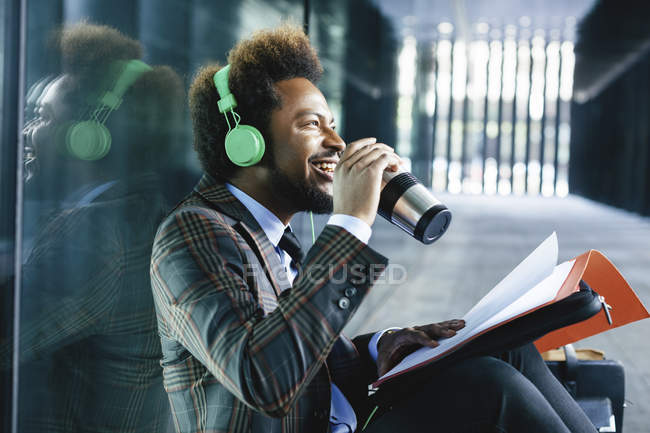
[(43, 113), (313, 123)]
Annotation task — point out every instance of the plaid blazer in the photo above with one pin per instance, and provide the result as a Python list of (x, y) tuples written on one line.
[(240, 353)]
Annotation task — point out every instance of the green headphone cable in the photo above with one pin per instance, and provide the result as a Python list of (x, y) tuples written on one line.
[(369, 418)]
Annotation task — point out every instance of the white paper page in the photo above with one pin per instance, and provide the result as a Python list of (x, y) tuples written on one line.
[(539, 295), (531, 271), (536, 274)]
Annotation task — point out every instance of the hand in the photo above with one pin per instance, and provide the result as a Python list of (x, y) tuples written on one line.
[(357, 178), (394, 346)]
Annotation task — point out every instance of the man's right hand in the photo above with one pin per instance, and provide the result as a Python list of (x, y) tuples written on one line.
[(357, 178)]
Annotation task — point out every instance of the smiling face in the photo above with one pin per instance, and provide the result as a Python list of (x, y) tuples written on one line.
[(54, 108), (305, 147)]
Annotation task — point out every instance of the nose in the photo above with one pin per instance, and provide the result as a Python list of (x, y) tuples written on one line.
[(333, 141)]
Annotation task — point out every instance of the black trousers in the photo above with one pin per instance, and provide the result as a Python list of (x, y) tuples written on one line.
[(511, 392)]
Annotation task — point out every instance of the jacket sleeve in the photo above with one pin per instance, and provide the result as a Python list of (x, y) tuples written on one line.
[(200, 289), (369, 366)]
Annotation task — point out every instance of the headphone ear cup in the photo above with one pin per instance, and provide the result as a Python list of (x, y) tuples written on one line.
[(245, 145), (89, 140)]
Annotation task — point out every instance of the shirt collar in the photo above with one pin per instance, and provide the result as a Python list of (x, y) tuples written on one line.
[(270, 224)]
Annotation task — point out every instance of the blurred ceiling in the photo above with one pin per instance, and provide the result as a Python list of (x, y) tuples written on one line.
[(421, 17), (609, 35)]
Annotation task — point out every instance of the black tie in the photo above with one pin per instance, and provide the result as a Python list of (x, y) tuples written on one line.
[(289, 243)]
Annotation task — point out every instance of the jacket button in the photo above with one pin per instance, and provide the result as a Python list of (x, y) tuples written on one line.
[(350, 292), (344, 303)]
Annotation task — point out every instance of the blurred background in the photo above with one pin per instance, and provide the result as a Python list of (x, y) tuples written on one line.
[(524, 118)]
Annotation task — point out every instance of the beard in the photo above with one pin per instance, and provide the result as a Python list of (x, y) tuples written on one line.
[(303, 196)]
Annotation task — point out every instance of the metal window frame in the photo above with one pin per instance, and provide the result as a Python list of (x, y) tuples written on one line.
[(12, 187)]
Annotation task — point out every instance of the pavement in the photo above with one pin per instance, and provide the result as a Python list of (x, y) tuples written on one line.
[(488, 237)]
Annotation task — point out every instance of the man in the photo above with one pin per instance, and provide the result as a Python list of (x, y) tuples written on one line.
[(89, 348), (250, 342)]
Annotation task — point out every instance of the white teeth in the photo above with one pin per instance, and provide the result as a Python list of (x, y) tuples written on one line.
[(326, 166)]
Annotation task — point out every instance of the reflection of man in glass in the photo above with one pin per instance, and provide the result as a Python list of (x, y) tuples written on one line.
[(89, 348)]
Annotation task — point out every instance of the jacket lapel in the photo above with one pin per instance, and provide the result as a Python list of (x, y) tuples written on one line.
[(218, 196)]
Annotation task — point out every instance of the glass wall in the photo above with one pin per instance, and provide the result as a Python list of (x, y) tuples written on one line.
[(96, 149), (107, 151)]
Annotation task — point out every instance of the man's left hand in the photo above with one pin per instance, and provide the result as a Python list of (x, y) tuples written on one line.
[(394, 346)]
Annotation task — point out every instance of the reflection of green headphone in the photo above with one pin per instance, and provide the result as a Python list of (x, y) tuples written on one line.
[(89, 139), (244, 143)]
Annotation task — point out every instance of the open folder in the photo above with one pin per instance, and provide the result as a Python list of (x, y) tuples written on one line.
[(536, 283)]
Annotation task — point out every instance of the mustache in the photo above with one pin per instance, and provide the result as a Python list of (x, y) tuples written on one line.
[(324, 155)]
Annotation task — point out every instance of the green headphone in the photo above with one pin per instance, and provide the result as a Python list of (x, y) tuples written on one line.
[(90, 140), (244, 143)]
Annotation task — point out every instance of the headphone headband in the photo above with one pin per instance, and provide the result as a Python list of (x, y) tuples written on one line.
[(227, 101), (129, 71)]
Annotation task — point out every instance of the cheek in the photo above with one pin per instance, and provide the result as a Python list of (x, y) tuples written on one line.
[(294, 159), (300, 166), (41, 135), (49, 140), (286, 163)]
